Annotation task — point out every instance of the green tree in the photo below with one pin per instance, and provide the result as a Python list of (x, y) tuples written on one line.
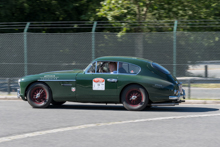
[(48, 10), (142, 10), (127, 12)]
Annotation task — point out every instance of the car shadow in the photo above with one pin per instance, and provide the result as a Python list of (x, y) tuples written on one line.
[(89, 107), (121, 108), (183, 109)]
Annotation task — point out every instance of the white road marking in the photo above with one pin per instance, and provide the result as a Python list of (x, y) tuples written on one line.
[(22, 136)]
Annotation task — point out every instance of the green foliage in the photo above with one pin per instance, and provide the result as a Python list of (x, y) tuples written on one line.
[(48, 10), (143, 10)]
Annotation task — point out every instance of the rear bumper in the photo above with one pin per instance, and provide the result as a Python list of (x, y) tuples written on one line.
[(179, 96)]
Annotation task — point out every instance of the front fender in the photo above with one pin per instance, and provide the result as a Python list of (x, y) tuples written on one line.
[(25, 82)]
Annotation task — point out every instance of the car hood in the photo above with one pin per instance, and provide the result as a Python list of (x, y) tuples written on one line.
[(60, 75), (53, 75)]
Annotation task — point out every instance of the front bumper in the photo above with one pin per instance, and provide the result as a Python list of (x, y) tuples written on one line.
[(179, 96)]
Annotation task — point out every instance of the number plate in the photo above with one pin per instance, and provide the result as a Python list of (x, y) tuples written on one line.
[(98, 84)]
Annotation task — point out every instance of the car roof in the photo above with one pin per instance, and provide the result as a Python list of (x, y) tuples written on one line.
[(134, 60)]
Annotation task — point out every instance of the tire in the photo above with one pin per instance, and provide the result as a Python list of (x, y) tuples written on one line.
[(55, 103), (139, 95), (39, 95)]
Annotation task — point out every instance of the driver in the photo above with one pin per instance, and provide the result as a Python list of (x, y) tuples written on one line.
[(112, 67)]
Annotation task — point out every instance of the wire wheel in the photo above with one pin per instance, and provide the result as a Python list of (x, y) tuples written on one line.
[(39, 95), (134, 98)]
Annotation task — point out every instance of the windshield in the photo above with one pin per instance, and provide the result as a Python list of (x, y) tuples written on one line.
[(87, 66)]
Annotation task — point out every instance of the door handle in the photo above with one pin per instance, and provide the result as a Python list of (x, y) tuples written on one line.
[(66, 84), (112, 80)]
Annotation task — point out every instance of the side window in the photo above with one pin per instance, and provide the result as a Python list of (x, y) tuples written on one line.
[(106, 67), (128, 68), (133, 69), (123, 67), (92, 68)]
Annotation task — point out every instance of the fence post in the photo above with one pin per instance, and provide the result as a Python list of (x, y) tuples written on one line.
[(25, 48), (9, 86), (206, 71), (189, 92), (93, 40), (174, 47)]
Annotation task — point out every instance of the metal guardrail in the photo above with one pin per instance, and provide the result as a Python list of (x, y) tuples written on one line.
[(198, 81), (9, 85)]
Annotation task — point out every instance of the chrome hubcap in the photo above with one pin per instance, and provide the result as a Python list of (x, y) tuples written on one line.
[(38, 95), (133, 97)]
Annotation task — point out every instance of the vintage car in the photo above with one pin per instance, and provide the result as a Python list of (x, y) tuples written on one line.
[(135, 82)]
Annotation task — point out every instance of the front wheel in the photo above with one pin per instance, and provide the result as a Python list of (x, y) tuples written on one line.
[(39, 95), (134, 98)]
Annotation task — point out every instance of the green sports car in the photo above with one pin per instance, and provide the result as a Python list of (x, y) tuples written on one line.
[(135, 82)]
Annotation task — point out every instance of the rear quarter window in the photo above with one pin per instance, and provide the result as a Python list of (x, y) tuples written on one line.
[(128, 68)]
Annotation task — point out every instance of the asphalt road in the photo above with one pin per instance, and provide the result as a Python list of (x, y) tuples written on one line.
[(98, 125)]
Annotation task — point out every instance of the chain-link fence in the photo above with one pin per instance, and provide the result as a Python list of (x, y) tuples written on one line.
[(187, 48), (57, 51)]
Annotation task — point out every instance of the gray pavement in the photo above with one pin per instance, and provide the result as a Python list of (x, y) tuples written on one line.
[(184, 125)]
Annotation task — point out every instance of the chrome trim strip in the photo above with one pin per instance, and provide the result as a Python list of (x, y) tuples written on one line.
[(95, 66), (66, 84), (112, 80), (58, 80)]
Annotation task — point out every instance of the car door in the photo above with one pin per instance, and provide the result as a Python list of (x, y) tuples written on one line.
[(94, 86)]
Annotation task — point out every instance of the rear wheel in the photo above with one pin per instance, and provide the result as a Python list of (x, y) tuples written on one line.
[(134, 98), (39, 95)]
